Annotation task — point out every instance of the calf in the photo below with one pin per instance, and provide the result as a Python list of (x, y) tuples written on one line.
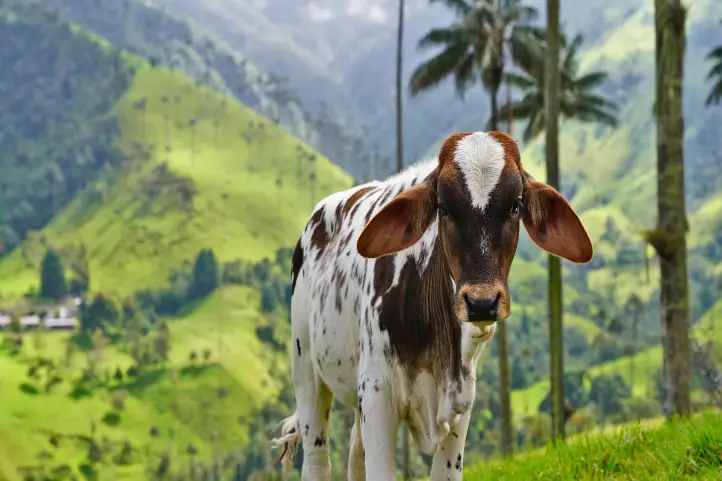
[(397, 286)]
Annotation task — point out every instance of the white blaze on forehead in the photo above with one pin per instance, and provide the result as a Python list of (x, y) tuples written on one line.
[(480, 158)]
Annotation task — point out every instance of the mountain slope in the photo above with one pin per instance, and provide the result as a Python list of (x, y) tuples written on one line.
[(179, 43), (202, 171), (194, 170)]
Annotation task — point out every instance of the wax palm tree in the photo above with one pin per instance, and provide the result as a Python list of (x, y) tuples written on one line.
[(577, 95), (486, 36), (715, 75)]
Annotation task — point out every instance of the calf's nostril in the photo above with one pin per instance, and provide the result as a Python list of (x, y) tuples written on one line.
[(481, 309)]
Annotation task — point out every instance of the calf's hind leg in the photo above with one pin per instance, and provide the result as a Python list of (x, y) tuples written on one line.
[(356, 469), (313, 407)]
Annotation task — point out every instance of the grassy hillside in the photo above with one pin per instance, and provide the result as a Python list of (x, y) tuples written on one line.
[(194, 170), (202, 171), (207, 404), (199, 52), (683, 450)]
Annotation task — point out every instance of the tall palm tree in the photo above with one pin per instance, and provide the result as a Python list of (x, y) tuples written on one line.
[(569, 95), (669, 236), (486, 35), (578, 99), (399, 168), (715, 75), (552, 85)]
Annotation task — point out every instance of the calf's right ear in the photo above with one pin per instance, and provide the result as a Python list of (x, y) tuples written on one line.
[(400, 224)]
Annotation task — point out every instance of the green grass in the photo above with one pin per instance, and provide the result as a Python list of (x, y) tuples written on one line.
[(680, 450), (249, 197), (181, 398)]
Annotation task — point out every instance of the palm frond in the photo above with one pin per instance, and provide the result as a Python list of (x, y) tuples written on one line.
[(519, 14), (460, 7), (433, 71), (465, 75), (715, 94), (520, 81), (526, 48), (592, 114), (715, 53), (570, 61), (591, 80), (443, 36)]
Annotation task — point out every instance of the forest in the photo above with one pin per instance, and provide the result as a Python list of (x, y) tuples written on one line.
[(156, 173)]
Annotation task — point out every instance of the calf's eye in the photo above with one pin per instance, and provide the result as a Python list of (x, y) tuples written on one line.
[(516, 207)]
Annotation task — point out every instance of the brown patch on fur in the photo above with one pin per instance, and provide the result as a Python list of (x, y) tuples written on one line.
[(511, 151), (448, 148), (448, 170), (400, 223), (319, 238), (553, 225), (418, 316), (355, 197)]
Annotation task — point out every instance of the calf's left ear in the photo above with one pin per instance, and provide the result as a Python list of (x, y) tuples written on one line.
[(553, 225), (400, 224)]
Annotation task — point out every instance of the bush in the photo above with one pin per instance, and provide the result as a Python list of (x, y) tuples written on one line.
[(117, 399), (205, 275), (53, 284)]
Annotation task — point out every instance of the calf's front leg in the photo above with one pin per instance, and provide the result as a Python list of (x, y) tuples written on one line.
[(448, 463), (379, 420)]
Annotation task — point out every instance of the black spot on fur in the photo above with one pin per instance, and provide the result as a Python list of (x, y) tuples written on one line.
[(296, 263), (298, 347), (305, 430), (448, 464), (458, 462)]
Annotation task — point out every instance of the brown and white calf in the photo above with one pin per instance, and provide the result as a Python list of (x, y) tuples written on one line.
[(397, 285)]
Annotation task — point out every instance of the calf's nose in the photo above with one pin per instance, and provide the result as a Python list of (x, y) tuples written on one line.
[(482, 309)]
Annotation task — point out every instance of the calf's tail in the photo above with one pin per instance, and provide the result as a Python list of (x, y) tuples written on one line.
[(288, 441)]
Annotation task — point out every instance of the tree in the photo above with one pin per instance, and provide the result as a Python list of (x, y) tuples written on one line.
[(399, 168), (715, 75), (518, 374), (100, 311), (162, 342), (577, 97), (556, 305), (205, 275), (478, 44), (669, 236), (53, 284)]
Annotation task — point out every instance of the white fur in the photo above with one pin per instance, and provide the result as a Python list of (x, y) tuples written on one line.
[(480, 158), (342, 354)]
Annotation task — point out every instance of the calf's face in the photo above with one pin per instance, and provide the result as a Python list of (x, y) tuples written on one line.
[(479, 194)]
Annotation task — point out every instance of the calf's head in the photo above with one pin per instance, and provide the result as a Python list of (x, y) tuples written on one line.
[(476, 198)]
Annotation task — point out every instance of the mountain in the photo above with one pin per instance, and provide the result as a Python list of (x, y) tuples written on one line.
[(180, 43), (129, 170)]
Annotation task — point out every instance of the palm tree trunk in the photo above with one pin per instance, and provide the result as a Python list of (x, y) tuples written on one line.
[(551, 114), (501, 335), (399, 168), (510, 113), (399, 91), (668, 238)]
